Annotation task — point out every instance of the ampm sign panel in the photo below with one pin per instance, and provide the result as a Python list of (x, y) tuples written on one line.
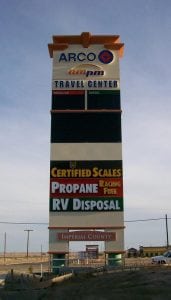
[(86, 183), (94, 67), (76, 63)]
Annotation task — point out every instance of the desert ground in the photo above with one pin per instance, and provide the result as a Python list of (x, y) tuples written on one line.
[(138, 280), (142, 284), (21, 263)]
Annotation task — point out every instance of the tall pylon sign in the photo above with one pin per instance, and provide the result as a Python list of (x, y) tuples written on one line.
[(86, 181)]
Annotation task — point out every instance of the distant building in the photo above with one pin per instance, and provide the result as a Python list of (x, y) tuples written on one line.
[(152, 250), (92, 251), (132, 252), (146, 251)]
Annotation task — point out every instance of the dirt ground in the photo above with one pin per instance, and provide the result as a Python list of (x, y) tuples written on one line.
[(145, 284), (19, 258), (137, 284)]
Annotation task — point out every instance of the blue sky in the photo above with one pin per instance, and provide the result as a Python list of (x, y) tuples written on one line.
[(26, 27)]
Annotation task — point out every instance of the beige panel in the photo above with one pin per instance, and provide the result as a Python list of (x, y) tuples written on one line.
[(61, 68), (63, 246), (86, 151), (85, 219), (57, 246), (118, 244)]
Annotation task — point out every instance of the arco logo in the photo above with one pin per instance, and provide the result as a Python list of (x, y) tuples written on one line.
[(105, 57)]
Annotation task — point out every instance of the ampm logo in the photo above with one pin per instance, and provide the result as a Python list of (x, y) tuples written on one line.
[(86, 70), (105, 57)]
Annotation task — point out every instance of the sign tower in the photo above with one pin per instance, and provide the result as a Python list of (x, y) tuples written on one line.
[(86, 183)]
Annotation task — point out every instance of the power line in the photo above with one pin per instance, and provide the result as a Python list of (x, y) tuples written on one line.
[(24, 223), (45, 223), (145, 220)]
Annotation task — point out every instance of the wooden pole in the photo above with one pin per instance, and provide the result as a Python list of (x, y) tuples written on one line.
[(167, 234)]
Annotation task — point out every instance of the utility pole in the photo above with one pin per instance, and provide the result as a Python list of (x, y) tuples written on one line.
[(41, 252), (5, 245), (167, 234), (28, 236)]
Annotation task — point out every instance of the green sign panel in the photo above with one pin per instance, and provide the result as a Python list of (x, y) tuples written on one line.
[(86, 204)]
